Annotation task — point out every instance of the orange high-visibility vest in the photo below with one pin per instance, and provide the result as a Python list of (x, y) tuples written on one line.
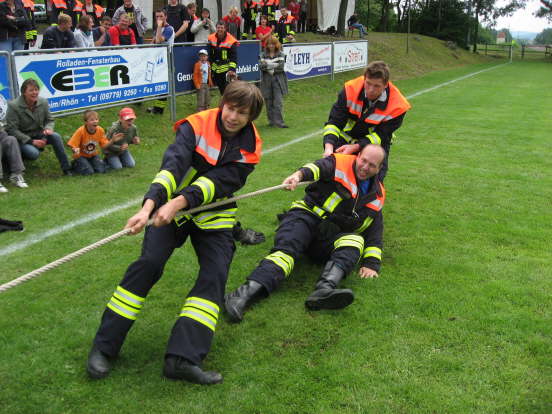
[(60, 4), (396, 105), (227, 43), (345, 175), (209, 138), (28, 4)]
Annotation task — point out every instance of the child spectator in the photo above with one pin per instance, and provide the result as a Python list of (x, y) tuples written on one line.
[(203, 81), (85, 144), (122, 133)]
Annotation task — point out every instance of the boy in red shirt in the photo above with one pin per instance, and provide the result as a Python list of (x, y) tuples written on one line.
[(85, 144)]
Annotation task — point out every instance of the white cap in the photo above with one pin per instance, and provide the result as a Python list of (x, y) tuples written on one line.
[(202, 52)]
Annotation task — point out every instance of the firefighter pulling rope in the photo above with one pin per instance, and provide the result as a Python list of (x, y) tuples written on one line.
[(124, 232)]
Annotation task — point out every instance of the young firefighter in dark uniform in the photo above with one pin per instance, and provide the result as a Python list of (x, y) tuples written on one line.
[(214, 152), (223, 55), (338, 222), (369, 109), (249, 14)]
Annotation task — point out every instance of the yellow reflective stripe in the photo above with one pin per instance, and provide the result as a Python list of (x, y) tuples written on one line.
[(365, 225), (315, 170), (121, 309), (350, 124), (201, 310), (199, 316), (190, 174), (166, 179), (232, 64), (350, 241), (223, 223), (282, 260), (332, 129), (207, 187), (209, 215), (129, 300), (372, 251), (204, 304), (317, 211), (374, 138), (332, 202)]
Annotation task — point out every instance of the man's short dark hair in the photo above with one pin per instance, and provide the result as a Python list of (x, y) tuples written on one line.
[(106, 18), (378, 69), (28, 83), (161, 11), (243, 95)]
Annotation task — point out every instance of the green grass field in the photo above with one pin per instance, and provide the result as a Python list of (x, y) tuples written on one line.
[(458, 322)]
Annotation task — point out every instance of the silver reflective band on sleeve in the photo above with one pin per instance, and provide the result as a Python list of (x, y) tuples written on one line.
[(332, 202)]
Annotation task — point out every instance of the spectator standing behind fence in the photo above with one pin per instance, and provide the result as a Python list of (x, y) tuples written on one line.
[(353, 23), (83, 33), (85, 144), (60, 36), (273, 81), (203, 27), (101, 34), (179, 19), (14, 24), (68, 7), (121, 134), (286, 27), (31, 33), (121, 34), (163, 34), (9, 150), (30, 121), (233, 22), (95, 11), (249, 14), (223, 55), (303, 5), (263, 31), (137, 22), (203, 81), (294, 9), (191, 9), (268, 8)]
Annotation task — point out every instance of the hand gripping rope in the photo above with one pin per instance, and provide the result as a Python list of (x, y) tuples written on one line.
[(124, 232)]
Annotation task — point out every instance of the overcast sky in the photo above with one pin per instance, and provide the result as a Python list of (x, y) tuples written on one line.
[(523, 20)]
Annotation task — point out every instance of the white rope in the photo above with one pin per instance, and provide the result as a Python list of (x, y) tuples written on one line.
[(124, 232)]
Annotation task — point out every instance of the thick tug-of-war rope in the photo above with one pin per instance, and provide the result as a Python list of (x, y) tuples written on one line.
[(124, 232)]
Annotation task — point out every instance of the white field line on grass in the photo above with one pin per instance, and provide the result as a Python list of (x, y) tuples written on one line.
[(95, 216)]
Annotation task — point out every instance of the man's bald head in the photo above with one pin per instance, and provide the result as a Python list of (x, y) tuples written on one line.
[(369, 161)]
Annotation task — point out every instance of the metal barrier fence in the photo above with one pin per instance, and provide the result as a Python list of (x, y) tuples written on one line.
[(103, 77)]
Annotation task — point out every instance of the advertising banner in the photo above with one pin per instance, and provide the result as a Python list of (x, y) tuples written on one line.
[(304, 60), (186, 56), (83, 79), (5, 85), (350, 55)]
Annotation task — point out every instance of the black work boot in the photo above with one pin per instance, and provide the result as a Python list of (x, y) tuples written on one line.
[(98, 365), (236, 302), (178, 368), (326, 295)]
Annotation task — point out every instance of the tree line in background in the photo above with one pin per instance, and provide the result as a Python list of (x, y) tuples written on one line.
[(460, 21)]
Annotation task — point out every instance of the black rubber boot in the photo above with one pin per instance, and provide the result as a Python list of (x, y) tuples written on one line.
[(98, 365), (236, 302), (178, 368), (326, 295)]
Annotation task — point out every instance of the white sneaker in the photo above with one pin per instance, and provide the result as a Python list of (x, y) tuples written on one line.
[(18, 181), (3, 189)]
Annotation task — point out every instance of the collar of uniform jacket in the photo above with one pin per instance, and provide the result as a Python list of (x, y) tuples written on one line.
[(245, 137), (380, 103)]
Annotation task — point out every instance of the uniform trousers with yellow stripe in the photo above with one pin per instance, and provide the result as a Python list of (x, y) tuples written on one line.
[(299, 234), (193, 331)]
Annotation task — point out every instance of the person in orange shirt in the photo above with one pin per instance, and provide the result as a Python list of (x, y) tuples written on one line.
[(85, 144), (202, 80)]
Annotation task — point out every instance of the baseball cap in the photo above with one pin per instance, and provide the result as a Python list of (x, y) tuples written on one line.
[(202, 52), (127, 113)]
